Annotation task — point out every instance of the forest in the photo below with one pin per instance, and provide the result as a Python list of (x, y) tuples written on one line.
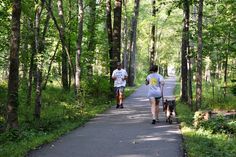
[(57, 57)]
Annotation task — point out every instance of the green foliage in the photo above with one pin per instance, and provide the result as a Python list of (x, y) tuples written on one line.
[(60, 113), (219, 124)]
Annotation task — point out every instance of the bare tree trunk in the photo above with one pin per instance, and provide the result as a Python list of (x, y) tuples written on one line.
[(91, 37), (125, 39), (69, 42), (199, 58), (116, 33), (64, 56), (79, 46), (38, 101), (184, 50), (32, 68), (153, 35), (13, 82), (133, 46), (109, 35), (226, 64)]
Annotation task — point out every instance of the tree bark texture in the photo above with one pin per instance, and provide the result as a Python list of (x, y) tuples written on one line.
[(125, 39), (153, 36), (79, 46), (109, 35), (39, 60), (115, 57), (184, 52), (133, 44), (199, 58), (64, 56), (13, 82), (91, 36)]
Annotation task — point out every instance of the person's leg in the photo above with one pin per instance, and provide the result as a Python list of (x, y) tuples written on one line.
[(117, 97), (157, 101), (121, 96), (153, 109)]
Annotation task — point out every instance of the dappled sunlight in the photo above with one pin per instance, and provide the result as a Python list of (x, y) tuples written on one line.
[(133, 155), (141, 99)]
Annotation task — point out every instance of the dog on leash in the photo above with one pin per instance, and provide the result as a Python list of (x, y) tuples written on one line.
[(169, 109)]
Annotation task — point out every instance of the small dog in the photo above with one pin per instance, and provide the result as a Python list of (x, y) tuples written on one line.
[(169, 109)]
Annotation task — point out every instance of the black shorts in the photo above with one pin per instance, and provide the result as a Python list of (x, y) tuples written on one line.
[(119, 89)]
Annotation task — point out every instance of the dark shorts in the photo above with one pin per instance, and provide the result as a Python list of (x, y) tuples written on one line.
[(156, 98), (119, 89)]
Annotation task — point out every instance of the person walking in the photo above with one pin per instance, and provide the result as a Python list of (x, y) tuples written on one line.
[(155, 82), (119, 76)]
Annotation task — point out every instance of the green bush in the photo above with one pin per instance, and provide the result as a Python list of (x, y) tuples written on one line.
[(219, 124)]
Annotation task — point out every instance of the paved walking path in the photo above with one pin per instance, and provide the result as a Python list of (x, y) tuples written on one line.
[(124, 132)]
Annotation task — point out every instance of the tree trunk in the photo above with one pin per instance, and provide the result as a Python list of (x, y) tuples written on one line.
[(109, 35), (69, 42), (153, 35), (63, 42), (37, 109), (13, 82), (64, 56), (91, 37), (199, 58), (133, 46), (79, 46), (184, 50), (31, 72), (116, 34), (125, 39)]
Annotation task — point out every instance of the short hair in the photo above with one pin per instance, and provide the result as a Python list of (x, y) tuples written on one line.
[(118, 63), (153, 68)]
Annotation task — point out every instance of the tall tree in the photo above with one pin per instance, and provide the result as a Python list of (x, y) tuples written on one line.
[(62, 38), (125, 38), (91, 36), (184, 52), (109, 34), (64, 55), (153, 35), (39, 59), (79, 46), (13, 82), (116, 34), (199, 58), (133, 44)]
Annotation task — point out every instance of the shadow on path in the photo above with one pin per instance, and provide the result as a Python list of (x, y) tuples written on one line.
[(124, 132)]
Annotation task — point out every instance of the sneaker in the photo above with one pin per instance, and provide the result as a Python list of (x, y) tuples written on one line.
[(117, 106), (153, 121), (121, 106)]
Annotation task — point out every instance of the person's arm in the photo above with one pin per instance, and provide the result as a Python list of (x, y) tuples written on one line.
[(113, 75), (125, 76)]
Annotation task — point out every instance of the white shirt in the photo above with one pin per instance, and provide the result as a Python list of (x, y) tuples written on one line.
[(155, 82), (120, 75)]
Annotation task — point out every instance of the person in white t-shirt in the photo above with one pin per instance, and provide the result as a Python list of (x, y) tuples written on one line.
[(155, 92), (119, 76)]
